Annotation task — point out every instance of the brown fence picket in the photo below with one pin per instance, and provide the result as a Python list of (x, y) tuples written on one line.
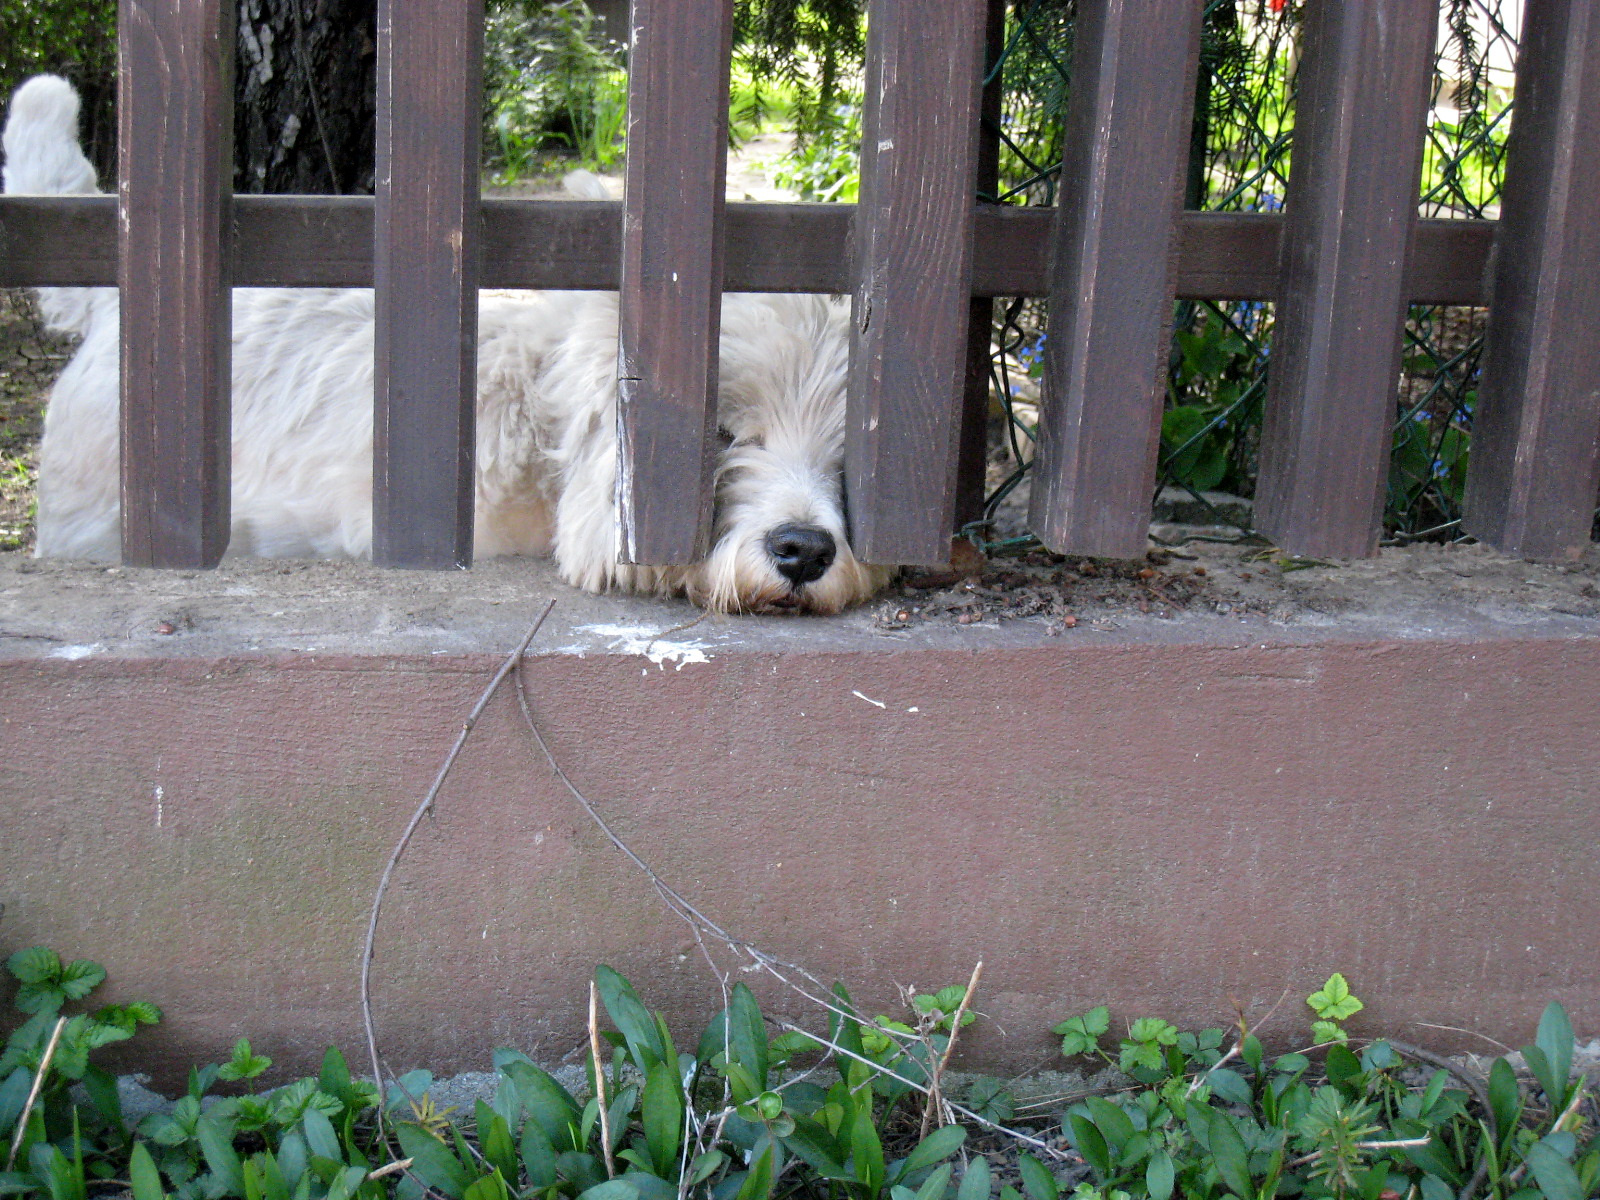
[(425, 271), (1536, 428), (1351, 209), (1122, 176), (913, 264), (972, 455), (670, 302), (176, 168)]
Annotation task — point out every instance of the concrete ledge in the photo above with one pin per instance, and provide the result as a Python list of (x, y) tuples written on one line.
[(203, 775)]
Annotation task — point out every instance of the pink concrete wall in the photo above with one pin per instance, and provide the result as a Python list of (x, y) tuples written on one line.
[(1166, 828)]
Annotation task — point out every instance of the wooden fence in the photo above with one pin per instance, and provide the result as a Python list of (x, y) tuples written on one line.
[(917, 254)]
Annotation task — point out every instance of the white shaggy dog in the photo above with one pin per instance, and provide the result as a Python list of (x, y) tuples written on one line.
[(546, 423)]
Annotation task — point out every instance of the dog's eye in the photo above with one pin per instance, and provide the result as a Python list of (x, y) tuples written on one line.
[(728, 439)]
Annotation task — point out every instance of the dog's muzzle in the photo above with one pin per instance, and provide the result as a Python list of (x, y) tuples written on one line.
[(801, 553)]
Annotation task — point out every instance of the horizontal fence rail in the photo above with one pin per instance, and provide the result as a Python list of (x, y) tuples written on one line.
[(326, 241), (919, 257)]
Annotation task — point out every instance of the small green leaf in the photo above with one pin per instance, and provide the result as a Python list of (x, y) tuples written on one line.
[(101, 1088), (494, 1139), (1159, 1175), (1557, 1179), (758, 1183), (143, 1178), (1154, 1029), (490, 1187), (216, 1144), (662, 1112), (1037, 1181), (704, 1166), (747, 1035), (811, 1142), (1081, 1034), (320, 1135), (933, 1187), (1250, 1051), (538, 1158), (36, 964), (975, 1182), (547, 1103), (1228, 1085), (244, 1064), (1334, 1002), (334, 1078), (1088, 1141), (433, 1162), (1111, 1121), (1554, 1038), (13, 1095), (631, 1018), (936, 1147), (866, 1151), (1228, 1149), (344, 1184), (1344, 1071), (1505, 1097), (80, 977), (612, 1189), (1327, 1031), (272, 1183)]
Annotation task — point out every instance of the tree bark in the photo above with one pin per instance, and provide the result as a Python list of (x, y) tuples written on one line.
[(305, 96)]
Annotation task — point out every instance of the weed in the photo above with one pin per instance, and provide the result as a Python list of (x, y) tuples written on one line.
[(751, 1116), (1204, 1123)]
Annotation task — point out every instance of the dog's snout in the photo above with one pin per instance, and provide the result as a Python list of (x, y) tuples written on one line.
[(802, 553)]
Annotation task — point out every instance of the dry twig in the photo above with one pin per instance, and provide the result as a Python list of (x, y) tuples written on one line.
[(33, 1092), (600, 1098), (405, 840), (936, 1101)]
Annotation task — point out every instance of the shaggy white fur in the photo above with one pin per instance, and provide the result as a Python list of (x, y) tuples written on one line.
[(546, 423)]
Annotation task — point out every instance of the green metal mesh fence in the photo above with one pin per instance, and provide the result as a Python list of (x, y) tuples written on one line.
[(1239, 161)]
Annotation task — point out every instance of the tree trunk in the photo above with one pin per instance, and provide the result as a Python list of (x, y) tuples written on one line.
[(305, 96)]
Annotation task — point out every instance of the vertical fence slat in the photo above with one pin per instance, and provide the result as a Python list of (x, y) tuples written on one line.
[(1536, 429), (913, 266), (425, 271), (1127, 137), (1351, 213), (973, 454), (672, 252), (175, 114)]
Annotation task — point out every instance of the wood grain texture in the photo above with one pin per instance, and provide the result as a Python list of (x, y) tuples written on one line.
[(326, 241), (1536, 429), (425, 270), (1122, 176), (175, 76), (671, 294), (1350, 212), (913, 264), (972, 454)]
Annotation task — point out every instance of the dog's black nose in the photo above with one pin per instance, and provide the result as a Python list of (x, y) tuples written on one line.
[(802, 553)]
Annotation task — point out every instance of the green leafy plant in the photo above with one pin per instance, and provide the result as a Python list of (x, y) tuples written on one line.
[(551, 82), (753, 1114), (1242, 1124), (1333, 1003)]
